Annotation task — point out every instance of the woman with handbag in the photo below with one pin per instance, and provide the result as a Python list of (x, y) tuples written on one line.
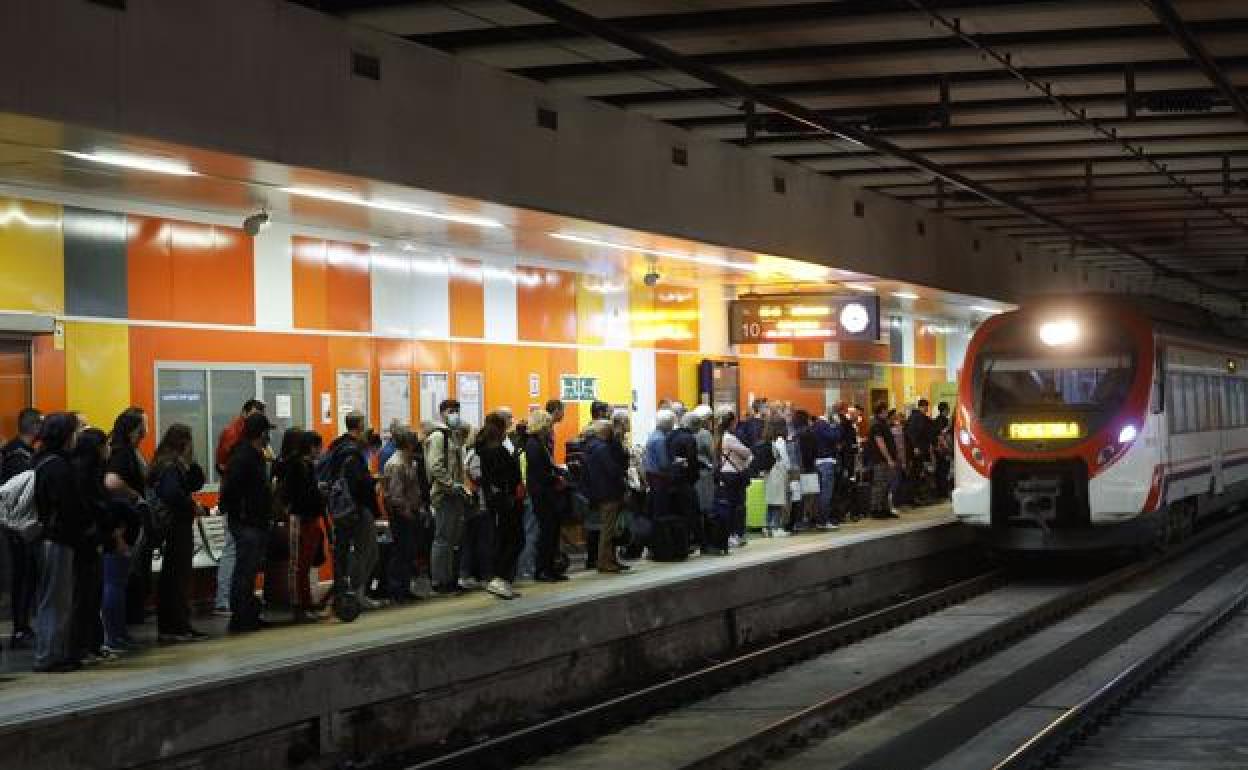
[(174, 479), (728, 517)]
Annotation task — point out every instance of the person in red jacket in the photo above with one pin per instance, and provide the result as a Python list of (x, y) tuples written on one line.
[(233, 433)]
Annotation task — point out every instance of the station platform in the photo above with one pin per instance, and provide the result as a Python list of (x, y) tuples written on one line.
[(437, 672)]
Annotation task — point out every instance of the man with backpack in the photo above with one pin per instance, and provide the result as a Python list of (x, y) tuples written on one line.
[(23, 562), (230, 436), (353, 507), (247, 501), (444, 463)]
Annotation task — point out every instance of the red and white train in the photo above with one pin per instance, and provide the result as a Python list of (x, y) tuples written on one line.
[(1099, 421)]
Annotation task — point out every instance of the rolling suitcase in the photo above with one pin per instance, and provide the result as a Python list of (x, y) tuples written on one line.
[(756, 504)]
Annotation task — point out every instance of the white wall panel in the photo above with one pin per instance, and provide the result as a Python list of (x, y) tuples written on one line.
[(430, 299), (499, 276), (644, 383), (393, 311), (616, 328), (273, 283)]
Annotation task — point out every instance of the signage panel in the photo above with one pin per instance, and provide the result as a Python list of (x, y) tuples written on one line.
[(813, 317), (836, 370)]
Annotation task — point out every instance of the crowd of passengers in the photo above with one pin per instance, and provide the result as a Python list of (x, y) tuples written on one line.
[(466, 507)]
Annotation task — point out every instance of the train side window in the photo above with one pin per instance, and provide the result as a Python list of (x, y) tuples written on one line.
[(1174, 404), (1190, 384)]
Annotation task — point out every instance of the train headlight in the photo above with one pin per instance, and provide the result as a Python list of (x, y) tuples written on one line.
[(1058, 333), (964, 436), (1127, 434)]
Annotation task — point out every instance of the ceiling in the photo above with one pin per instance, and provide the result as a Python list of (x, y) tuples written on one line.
[(1111, 132)]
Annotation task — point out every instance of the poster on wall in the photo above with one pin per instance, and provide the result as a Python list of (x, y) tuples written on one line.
[(433, 390), (535, 385), (327, 408), (396, 400), (352, 395), (468, 391)]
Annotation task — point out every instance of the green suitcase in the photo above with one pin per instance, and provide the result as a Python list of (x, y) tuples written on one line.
[(756, 504)]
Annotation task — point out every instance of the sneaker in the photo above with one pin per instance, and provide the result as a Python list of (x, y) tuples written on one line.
[(469, 584), (500, 588), (733, 542), (105, 655), (369, 603), (222, 612), (780, 533)]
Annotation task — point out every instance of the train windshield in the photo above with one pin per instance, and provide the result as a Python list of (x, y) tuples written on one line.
[(1019, 384)]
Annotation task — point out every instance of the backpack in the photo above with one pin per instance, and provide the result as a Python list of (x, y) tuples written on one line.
[(17, 506), (764, 459), (343, 508)]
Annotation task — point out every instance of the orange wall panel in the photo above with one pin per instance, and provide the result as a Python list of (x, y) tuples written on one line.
[(778, 381), (213, 274), (546, 305), (666, 376), (467, 299), (150, 268), (350, 296), (310, 283), (866, 352)]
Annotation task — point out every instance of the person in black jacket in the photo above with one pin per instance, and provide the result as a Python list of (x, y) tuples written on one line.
[(545, 483), (248, 504), (23, 557), (606, 486), (347, 457), (126, 478), (88, 459), (920, 439), (294, 474), (174, 478), (65, 521), (682, 448)]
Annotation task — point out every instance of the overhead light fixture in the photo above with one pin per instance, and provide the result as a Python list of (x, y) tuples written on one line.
[(985, 309), (905, 295), (860, 287), (351, 199), (679, 255), (137, 162)]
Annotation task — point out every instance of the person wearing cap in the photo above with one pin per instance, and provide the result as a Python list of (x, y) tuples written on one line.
[(248, 505), (444, 462)]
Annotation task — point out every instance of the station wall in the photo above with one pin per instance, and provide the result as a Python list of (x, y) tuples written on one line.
[(134, 289)]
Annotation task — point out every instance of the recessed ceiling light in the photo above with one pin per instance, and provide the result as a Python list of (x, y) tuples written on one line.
[(905, 295), (155, 165), (860, 287), (351, 199)]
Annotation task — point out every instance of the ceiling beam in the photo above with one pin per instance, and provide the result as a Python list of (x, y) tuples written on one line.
[(1186, 37), (667, 58)]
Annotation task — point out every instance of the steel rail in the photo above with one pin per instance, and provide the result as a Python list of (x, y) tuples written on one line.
[(1047, 746), (813, 724), (545, 737), (656, 52)]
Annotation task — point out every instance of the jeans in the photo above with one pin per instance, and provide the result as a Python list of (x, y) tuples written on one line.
[(54, 616), (827, 471), (364, 557), (24, 580), (448, 533), (225, 571), (729, 507), (402, 556), (250, 544), (776, 515), (113, 611), (173, 592), (88, 631), (882, 479), (478, 547), (526, 563), (509, 538)]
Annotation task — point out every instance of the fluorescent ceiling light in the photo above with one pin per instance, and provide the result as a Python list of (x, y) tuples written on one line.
[(136, 162), (984, 309), (351, 199), (860, 287), (799, 271), (905, 295)]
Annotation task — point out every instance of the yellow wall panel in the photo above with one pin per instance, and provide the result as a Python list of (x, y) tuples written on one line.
[(32, 261), (613, 368), (590, 314), (687, 378), (97, 370)]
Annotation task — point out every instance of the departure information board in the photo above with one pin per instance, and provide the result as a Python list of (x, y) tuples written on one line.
[(813, 317)]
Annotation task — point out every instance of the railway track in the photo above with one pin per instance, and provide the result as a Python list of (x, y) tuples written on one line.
[(773, 704)]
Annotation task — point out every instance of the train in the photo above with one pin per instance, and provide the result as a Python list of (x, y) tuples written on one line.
[(1096, 422)]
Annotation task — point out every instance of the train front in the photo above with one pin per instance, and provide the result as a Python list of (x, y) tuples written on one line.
[(1058, 447)]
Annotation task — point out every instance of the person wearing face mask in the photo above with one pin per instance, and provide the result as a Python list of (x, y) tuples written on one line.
[(444, 462)]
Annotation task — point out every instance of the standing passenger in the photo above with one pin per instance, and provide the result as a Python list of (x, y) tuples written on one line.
[(23, 557), (176, 477), (348, 459), (777, 485), (882, 457), (734, 459), (295, 475), (405, 504), (229, 438), (545, 485), (444, 462), (125, 478), (606, 475), (500, 486), (65, 520), (248, 502), (87, 634)]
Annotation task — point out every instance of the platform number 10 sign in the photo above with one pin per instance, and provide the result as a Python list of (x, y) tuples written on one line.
[(573, 387)]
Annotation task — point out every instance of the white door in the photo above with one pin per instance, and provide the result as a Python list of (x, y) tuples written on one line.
[(433, 390)]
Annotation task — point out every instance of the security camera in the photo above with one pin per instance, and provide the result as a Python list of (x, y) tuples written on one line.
[(253, 224), (651, 278)]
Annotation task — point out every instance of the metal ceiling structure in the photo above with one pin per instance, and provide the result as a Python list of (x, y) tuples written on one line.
[(1112, 132)]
